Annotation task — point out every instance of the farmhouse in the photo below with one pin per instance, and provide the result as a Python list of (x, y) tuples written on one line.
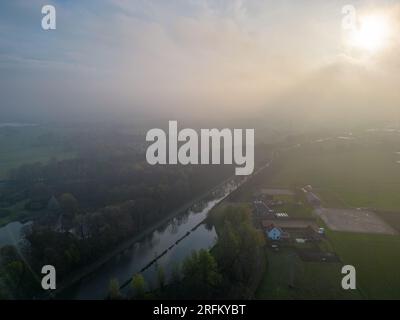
[(291, 228), (274, 233)]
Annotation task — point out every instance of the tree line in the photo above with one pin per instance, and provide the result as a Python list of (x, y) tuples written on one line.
[(84, 207)]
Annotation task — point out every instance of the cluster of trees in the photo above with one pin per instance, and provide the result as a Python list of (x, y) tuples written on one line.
[(138, 288), (198, 278), (100, 182), (233, 268), (17, 281), (239, 252), (86, 206)]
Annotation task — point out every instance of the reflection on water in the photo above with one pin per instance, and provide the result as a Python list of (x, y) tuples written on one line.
[(11, 234), (134, 259)]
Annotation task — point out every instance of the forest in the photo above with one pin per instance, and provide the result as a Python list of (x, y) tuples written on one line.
[(85, 206)]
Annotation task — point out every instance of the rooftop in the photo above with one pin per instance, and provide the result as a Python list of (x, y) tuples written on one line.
[(291, 223)]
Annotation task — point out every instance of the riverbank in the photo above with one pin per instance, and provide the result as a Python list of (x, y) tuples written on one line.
[(83, 291), (86, 271)]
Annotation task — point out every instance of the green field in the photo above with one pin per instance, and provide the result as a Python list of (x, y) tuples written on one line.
[(295, 210), (361, 174), (29, 144), (288, 277), (24, 145), (376, 259)]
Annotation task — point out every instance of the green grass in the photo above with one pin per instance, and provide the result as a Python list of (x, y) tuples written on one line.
[(284, 197), (360, 176), (295, 210), (391, 218), (309, 280), (376, 259), (28, 145), (364, 173)]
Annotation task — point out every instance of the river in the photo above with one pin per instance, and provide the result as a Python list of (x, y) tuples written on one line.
[(163, 240), (171, 243), (12, 233)]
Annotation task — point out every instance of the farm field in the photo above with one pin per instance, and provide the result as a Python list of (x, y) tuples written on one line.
[(288, 277), (365, 173), (376, 259), (23, 145)]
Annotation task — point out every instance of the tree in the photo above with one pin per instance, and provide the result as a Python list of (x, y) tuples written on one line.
[(53, 205), (176, 274), (228, 246), (201, 276), (113, 290), (16, 280), (160, 276), (139, 286), (239, 251), (68, 203), (69, 208), (8, 253), (40, 192)]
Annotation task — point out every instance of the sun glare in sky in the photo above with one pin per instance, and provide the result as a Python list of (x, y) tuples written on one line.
[(372, 33)]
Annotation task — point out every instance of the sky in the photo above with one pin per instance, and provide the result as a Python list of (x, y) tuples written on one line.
[(193, 58)]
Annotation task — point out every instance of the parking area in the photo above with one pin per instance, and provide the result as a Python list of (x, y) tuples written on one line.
[(354, 220)]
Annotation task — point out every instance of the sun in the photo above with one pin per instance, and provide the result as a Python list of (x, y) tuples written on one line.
[(372, 33)]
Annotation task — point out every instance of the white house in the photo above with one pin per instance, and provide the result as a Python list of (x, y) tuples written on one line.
[(274, 233)]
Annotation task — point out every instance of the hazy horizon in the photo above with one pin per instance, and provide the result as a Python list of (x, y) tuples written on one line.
[(186, 59)]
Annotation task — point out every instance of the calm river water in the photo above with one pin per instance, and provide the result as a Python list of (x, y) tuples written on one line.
[(124, 265)]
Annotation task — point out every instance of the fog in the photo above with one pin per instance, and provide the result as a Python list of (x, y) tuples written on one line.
[(261, 62)]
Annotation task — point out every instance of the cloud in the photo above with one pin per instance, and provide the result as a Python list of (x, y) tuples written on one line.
[(178, 58)]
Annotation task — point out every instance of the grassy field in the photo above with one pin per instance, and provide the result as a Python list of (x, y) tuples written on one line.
[(361, 173), (27, 145), (376, 259), (358, 175), (288, 277), (391, 218), (295, 210), (24, 145)]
